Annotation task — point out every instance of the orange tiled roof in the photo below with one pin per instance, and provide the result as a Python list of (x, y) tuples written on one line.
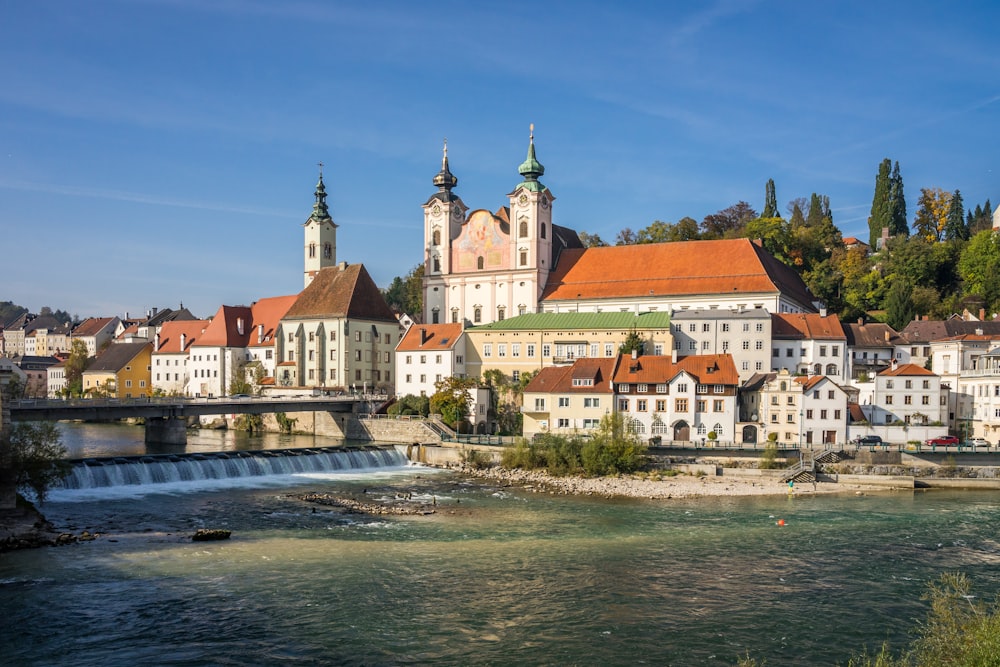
[(653, 369), (171, 332), (430, 337), (238, 326), (906, 369), (560, 378), (810, 381), (268, 312), (92, 326), (810, 326), (685, 268)]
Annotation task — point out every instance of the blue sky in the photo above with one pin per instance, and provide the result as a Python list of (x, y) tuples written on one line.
[(164, 151)]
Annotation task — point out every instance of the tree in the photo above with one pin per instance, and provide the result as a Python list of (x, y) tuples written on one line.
[(75, 365), (898, 225), (614, 449), (657, 232), (406, 294), (626, 237), (979, 267), (881, 213), (633, 342), (797, 219), (591, 240), (685, 229), (729, 222), (932, 213), (774, 235), (33, 458), (410, 405), (955, 228), (452, 399), (899, 305), (770, 201)]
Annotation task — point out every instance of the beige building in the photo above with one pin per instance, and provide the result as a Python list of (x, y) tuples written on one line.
[(529, 343), (569, 399)]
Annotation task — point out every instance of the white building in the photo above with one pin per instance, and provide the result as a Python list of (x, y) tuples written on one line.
[(906, 394), (569, 399), (171, 350), (427, 354), (825, 415), (809, 344), (743, 334)]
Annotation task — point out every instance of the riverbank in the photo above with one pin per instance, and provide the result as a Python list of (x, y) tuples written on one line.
[(664, 487)]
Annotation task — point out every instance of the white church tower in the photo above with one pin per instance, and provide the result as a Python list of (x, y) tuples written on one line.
[(320, 235), (482, 267)]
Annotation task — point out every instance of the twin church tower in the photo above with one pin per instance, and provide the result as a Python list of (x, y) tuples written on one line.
[(479, 267)]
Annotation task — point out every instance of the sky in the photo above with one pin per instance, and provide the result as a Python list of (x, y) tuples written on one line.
[(155, 153)]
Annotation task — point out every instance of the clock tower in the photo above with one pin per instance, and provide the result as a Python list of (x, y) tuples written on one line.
[(320, 235)]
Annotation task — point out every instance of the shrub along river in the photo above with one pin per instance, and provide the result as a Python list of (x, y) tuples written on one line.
[(491, 576)]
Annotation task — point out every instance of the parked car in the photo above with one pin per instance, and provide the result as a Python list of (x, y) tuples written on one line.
[(868, 441), (976, 442), (942, 440)]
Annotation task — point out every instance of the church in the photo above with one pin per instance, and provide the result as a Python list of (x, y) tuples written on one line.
[(482, 267)]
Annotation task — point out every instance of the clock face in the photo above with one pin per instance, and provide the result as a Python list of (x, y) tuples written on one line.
[(436, 210), (545, 202), (522, 200)]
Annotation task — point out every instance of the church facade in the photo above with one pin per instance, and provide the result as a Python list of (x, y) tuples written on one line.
[(482, 267)]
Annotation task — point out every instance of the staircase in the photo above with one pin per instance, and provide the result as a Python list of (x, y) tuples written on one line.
[(440, 429), (804, 470)]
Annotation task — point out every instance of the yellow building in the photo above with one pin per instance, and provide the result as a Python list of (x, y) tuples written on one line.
[(539, 340), (123, 370)]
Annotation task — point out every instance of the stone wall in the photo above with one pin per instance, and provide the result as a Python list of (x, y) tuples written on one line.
[(349, 427)]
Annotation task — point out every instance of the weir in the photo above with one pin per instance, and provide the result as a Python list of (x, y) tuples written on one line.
[(166, 468)]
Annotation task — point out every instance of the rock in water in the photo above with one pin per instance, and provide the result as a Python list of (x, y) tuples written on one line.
[(210, 534)]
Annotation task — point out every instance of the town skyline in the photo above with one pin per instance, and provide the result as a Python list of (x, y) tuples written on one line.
[(138, 174)]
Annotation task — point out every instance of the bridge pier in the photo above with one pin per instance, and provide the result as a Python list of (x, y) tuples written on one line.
[(166, 431)]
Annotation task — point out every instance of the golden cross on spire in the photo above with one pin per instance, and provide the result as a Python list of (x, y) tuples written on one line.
[(531, 135), (320, 169)]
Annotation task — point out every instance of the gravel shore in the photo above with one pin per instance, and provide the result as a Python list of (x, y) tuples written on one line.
[(677, 486)]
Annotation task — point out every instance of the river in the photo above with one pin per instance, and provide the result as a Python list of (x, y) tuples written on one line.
[(496, 576)]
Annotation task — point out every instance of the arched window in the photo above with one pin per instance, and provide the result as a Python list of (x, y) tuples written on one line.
[(818, 369), (701, 429), (480, 263), (435, 316), (542, 231), (312, 250), (437, 264), (522, 230), (501, 313), (784, 385), (436, 239), (718, 431), (327, 251), (454, 315), (831, 369), (477, 314)]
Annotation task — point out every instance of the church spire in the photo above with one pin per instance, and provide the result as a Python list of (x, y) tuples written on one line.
[(531, 168), (320, 211), (445, 180)]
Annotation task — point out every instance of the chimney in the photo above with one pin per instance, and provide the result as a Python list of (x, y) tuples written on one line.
[(183, 340), (156, 342), (822, 312), (982, 314), (861, 321), (155, 310), (673, 356), (887, 336), (260, 333), (635, 354), (979, 332), (423, 335)]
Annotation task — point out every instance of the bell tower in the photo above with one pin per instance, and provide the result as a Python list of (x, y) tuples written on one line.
[(320, 235), (531, 224), (444, 213)]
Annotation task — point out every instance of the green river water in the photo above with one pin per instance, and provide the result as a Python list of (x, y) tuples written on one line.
[(496, 576)]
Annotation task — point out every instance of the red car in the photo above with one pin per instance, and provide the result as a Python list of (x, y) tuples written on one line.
[(943, 440)]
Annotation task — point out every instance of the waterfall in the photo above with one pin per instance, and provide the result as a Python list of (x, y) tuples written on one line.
[(163, 469)]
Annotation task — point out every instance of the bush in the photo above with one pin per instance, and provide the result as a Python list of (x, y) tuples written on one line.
[(769, 459), (476, 459)]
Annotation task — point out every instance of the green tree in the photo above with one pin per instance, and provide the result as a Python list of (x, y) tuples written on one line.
[(774, 235), (881, 213), (770, 201), (899, 305), (729, 222), (410, 405), (657, 232), (898, 224), (626, 237), (406, 294), (633, 342), (32, 457), (979, 267), (452, 399), (613, 449), (591, 240), (955, 228), (797, 219)]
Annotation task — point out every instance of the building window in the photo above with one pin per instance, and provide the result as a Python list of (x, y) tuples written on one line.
[(623, 388), (661, 389), (546, 350), (907, 400), (591, 402), (642, 388), (640, 405), (682, 388), (701, 406), (480, 263), (718, 406), (515, 349), (564, 401), (522, 229), (925, 400), (524, 260), (661, 405), (680, 405), (487, 349), (454, 315), (888, 400), (502, 350), (477, 314), (531, 349), (609, 350)]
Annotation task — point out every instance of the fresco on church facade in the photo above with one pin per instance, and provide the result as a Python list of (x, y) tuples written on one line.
[(481, 239)]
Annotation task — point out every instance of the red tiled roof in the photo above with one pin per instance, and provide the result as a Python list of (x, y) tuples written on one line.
[(430, 337), (92, 326), (906, 369), (652, 369), (560, 378), (686, 268), (171, 332), (267, 313), (341, 291), (809, 326)]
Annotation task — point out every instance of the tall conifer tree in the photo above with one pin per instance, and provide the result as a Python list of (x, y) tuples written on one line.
[(955, 228), (897, 205), (770, 201), (881, 214)]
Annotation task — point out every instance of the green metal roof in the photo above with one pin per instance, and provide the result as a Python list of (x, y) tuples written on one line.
[(553, 321)]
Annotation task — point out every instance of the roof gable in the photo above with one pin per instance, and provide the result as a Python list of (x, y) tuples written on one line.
[(345, 290), (430, 337)]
